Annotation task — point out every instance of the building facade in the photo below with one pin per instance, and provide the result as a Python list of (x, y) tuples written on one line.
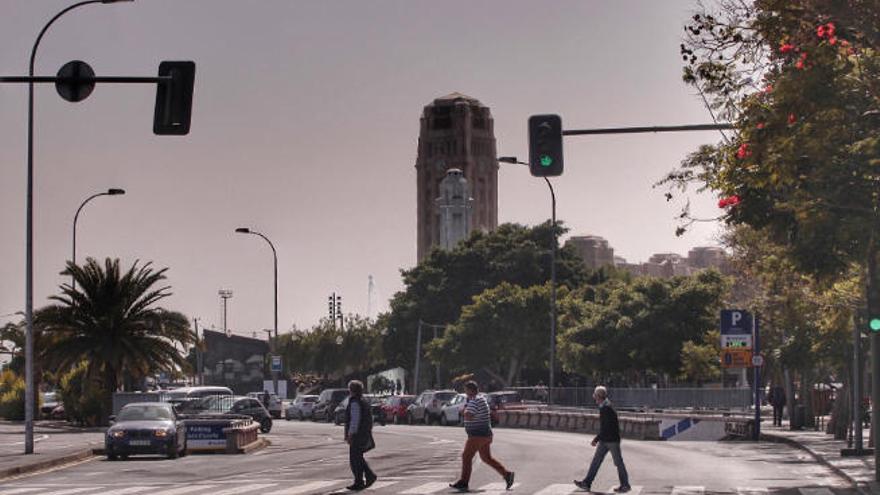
[(594, 250), (456, 132)]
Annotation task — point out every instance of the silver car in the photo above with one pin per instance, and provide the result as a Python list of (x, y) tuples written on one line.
[(450, 414), (301, 407)]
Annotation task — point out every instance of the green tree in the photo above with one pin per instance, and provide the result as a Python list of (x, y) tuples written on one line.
[(504, 330), (700, 360), (111, 321), (436, 290)]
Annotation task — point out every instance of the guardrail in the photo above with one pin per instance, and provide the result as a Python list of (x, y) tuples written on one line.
[(647, 398), (240, 436), (580, 422)]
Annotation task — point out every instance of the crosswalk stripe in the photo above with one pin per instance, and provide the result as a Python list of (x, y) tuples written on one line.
[(426, 488), (558, 489), (183, 489), (815, 491), (252, 488), (688, 490), (314, 485), (496, 488), (636, 489), (751, 491), (382, 484), (16, 491), (129, 490), (71, 491)]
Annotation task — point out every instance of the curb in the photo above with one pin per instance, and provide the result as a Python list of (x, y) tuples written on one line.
[(819, 458), (46, 464), (256, 445)]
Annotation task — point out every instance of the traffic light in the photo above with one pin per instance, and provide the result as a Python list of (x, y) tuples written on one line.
[(174, 98), (545, 145), (874, 306)]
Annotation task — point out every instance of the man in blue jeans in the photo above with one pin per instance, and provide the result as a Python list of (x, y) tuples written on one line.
[(608, 440)]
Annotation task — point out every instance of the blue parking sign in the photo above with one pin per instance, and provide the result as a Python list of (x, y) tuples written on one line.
[(736, 322), (276, 363)]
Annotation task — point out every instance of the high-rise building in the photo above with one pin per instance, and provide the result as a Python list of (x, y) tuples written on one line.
[(454, 208), (456, 132), (594, 250), (707, 257)]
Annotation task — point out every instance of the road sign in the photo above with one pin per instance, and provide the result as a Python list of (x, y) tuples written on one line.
[(737, 341), (736, 322), (276, 363), (757, 360), (736, 358), (72, 89)]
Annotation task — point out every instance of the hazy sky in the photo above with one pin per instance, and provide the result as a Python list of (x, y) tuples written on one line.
[(305, 125)]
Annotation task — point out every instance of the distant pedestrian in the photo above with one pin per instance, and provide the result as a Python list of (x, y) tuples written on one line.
[(776, 398), (607, 440), (359, 436), (477, 425)]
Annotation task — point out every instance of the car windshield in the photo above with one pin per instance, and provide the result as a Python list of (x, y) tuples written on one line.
[(145, 413), (310, 400), (445, 396)]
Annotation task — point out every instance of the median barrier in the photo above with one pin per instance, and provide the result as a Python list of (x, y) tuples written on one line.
[(640, 428), (241, 437), (226, 434)]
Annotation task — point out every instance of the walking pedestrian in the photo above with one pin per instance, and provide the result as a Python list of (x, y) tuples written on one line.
[(359, 436), (776, 398), (477, 425), (608, 440)]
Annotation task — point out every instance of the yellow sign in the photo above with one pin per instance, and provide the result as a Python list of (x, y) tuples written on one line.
[(736, 358)]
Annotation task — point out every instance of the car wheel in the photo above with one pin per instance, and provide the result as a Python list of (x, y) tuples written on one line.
[(265, 425), (409, 419), (124, 457), (173, 453), (427, 418), (443, 420), (112, 457)]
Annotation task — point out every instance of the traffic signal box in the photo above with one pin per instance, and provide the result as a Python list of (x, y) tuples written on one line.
[(545, 145), (873, 306), (174, 98)]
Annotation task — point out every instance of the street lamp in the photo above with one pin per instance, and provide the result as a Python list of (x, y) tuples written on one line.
[(245, 230), (109, 192), (512, 159), (29, 249)]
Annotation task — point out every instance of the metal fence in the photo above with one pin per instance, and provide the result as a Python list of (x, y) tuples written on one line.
[(647, 398)]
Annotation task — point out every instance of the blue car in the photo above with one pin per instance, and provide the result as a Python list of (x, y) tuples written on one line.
[(145, 428)]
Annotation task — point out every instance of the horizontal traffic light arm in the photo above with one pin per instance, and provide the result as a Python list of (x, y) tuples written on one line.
[(636, 130), (83, 80)]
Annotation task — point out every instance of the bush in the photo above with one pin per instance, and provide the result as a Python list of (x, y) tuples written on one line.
[(12, 390), (83, 397)]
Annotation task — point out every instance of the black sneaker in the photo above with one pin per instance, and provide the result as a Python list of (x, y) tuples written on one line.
[(583, 485), (622, 489), (356, 487), (459, 485), (508, 478), (370, 481)]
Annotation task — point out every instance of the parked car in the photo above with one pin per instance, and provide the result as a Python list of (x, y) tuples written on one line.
[(426, 407), (273, 405), (450, 414), (186, 399), (50, 402), (241, 405), (327, 402), (375, 409), (301, 407), (505, 400), (145, 428), (395, 406)]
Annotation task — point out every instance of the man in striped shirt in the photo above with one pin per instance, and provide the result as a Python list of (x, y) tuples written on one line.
[(477, 424)]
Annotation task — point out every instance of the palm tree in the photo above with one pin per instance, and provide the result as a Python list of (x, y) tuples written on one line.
[(110, 321)]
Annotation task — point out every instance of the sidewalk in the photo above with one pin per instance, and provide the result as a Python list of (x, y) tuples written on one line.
[(825, 449), (55, 443)]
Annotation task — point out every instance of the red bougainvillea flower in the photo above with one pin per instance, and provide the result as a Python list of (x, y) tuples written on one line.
[(832, 40), (769, 88), (792, 118), (728, 201), (825, 30), (743, 152), (829, 29), (786, 47), (760, 125), (820, 31), (799, 64)]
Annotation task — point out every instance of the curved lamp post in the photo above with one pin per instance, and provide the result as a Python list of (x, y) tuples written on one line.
[(29, 256), (512, 159), (109, 192), (245, 230)]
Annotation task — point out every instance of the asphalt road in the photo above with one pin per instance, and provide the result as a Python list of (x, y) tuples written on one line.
[(310, 458)]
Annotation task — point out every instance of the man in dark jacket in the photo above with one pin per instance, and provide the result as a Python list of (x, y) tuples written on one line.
[(776, 398), (607, 440), (359, 436)]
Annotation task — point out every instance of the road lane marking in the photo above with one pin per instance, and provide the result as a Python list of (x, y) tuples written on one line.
[(382, 484), (558, 489), (16, 491), (184, 489), (751, 491), (815, 491), (496, 488), (130, 490), (314, 485), (636, 489), (432, 487), (252, 488), (688, 490)]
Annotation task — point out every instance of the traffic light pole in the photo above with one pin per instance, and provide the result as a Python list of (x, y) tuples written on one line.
[(552, 296)]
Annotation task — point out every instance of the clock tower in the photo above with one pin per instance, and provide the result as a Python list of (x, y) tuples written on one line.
[(456, 132)]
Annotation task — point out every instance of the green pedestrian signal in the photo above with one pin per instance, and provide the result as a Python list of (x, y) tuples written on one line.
[(546, 161), (545, 145), (874, 324)]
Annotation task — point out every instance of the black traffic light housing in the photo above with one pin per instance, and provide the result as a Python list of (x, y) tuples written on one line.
[(873, 306), (174, 98), (545, 145)]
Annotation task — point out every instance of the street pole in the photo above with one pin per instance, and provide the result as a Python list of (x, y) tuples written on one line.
[(418, 359), (29, 393), (199, 377), (109, 192), (757, 378), (873, 288), (857, 386), (245, 230), (552, 297)]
